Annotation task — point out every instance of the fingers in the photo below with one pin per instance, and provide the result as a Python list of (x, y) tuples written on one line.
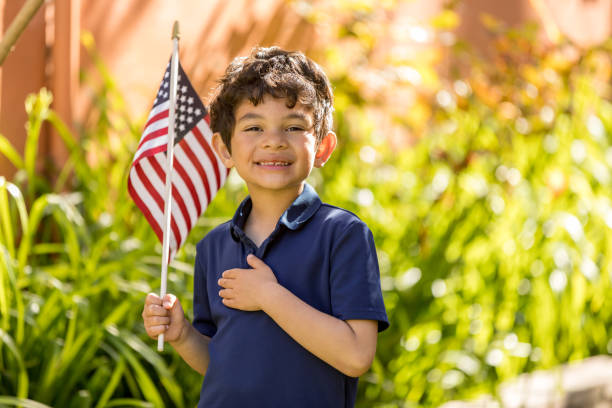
[(159, 315), (154, 310), (255, 262), (152, 298), (229, 303), (230, 274), (226, 293), (156, 320), (226, 283), (155, 331)]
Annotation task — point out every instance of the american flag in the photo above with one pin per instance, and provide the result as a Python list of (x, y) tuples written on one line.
[(197, 171)]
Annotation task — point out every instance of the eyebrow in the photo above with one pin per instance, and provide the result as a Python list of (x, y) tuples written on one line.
[(294, 115)]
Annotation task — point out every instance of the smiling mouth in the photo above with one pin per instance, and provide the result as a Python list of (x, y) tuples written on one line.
[(273, 163)]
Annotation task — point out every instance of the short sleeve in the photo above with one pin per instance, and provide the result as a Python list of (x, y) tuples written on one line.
[(202, 319), (355, 277)]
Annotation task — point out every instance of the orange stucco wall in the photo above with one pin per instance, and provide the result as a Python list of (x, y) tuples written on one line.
[(133, 39)]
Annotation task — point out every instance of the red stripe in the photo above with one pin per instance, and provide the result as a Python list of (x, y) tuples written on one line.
[(152, 151), (153, 135), (175, 194), (181, 171), (161, 115), (207, 119), (183, 207), (147, 184), (198, 165), (144, 209), (176, 232), (211, 156), (158, 169), (159, 200)]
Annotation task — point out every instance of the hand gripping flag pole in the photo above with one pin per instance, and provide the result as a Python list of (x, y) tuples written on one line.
[(169, 159)]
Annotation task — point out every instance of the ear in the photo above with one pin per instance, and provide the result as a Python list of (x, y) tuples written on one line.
[(325, 149), (222, 150)]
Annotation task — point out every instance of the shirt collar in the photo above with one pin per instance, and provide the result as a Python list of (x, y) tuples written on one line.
[(298, 213)]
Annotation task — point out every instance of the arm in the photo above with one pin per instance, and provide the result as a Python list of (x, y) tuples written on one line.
[(348, 346), (192, 346), (168, 317)]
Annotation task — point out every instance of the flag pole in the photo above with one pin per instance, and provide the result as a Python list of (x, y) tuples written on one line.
[(169, 160)]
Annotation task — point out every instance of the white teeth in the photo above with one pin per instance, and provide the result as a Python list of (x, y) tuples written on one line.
[(273, 163)]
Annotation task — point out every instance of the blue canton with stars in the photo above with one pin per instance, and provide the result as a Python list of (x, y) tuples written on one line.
[(189, 108)]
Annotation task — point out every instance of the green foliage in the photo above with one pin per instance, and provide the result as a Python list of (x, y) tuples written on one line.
[(76, 262), (488, 192)]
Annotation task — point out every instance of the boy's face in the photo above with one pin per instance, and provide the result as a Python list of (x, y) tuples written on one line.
[(273, 146)]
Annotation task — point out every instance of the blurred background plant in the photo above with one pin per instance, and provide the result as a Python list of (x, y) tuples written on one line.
[(484, 180)]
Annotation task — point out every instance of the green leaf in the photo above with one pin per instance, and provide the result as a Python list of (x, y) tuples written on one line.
[(446, 20), (22, 402), (7, 149), (22, 375)]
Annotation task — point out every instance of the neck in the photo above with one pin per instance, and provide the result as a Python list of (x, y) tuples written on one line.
[(267, 209)]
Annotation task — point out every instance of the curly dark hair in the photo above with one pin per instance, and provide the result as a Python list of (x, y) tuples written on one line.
[(278, 73)]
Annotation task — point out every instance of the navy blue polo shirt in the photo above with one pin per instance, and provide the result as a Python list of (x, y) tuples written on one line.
[(325, 256)]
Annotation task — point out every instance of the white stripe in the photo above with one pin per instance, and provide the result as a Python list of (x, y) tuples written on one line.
[(195, 178), (158, 124), (160, 185), (198, 150), (183, 230), (157, 109), (151, 144), (146, 198), (179, 185)]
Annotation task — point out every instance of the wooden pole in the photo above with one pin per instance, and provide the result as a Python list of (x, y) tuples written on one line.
[(19, 24)]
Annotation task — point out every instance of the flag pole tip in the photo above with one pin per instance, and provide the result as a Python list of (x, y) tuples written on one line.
[(175, 30)]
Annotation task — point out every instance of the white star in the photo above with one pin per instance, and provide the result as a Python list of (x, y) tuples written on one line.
[(182, 118), (190, 110), (165, 84), (189, 119), (183, 88), (182, 127), (166, 74), (182, 108), (160, 92), (179, 77), (165, 94), (190, 100), (198, 112), (183, 97), (155, 101)]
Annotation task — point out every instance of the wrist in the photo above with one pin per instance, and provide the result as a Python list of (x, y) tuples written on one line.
[(183, 335), (268, 294)]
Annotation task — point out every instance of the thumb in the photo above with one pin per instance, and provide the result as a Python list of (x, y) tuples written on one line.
[(255, 262), (169, 301), (172, 304)]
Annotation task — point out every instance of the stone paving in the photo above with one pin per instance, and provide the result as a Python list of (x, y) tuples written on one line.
[(584, 384)]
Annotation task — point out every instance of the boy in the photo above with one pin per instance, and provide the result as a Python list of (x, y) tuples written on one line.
[(287, 299)]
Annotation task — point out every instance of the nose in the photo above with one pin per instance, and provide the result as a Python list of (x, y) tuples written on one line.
[(274, 139)]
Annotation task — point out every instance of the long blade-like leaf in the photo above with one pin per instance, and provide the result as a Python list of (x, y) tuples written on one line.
[(7, 149), (22, 402), (22, 376)]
